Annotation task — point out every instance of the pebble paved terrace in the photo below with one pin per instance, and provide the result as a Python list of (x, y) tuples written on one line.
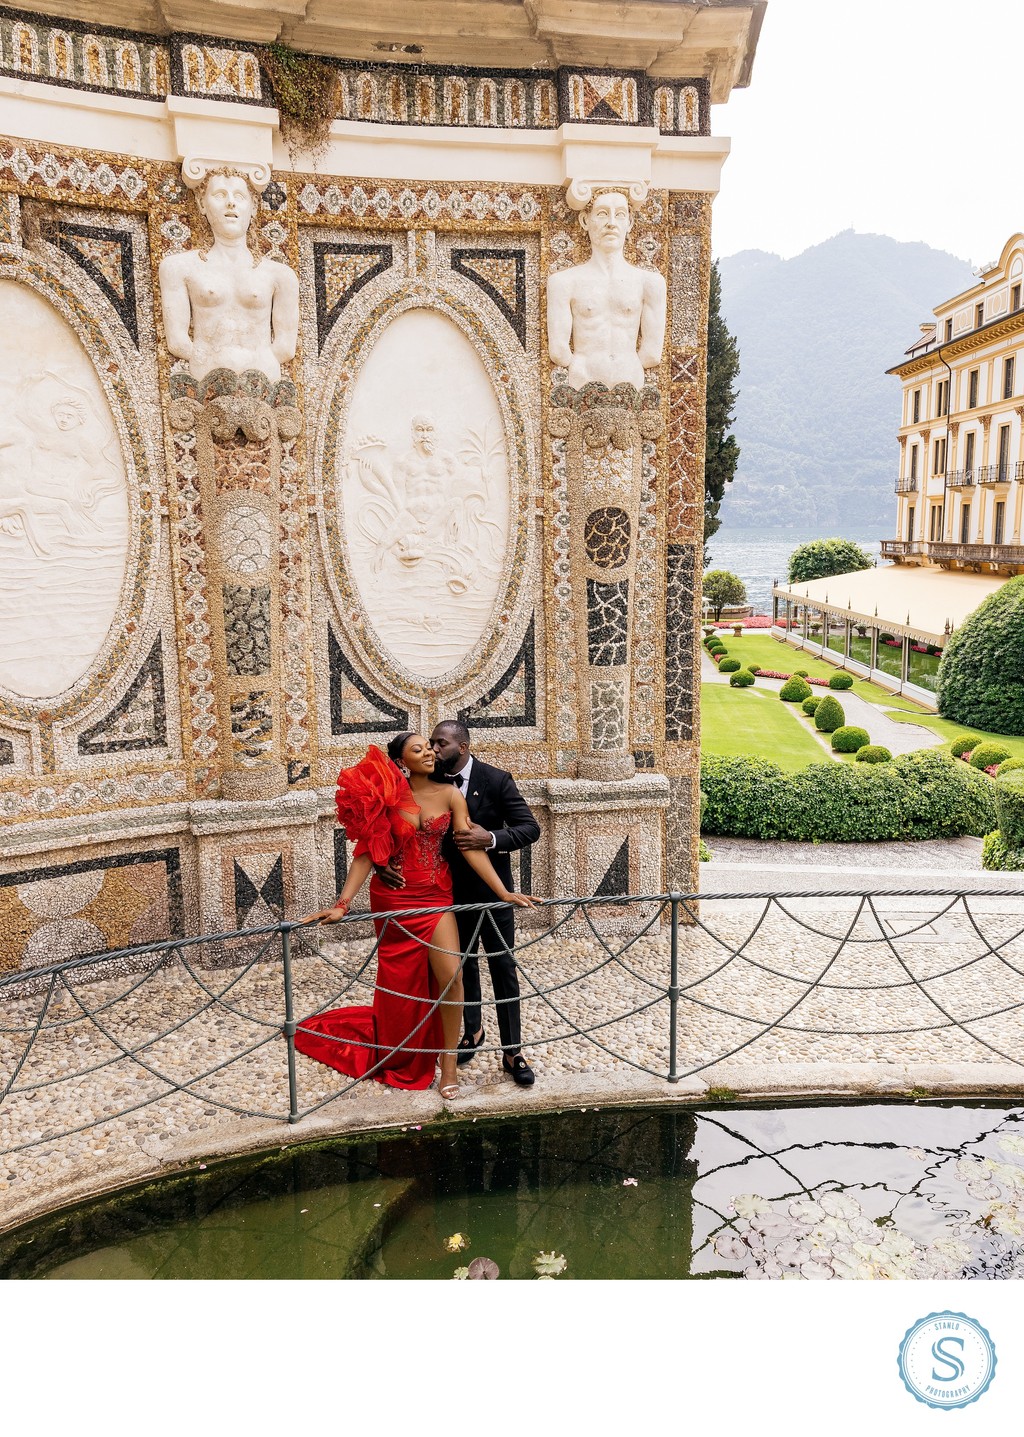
[(809, 995)]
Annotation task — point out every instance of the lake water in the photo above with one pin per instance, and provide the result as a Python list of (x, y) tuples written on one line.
[(761, 560)]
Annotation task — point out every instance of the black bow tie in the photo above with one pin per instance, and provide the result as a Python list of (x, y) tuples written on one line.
[(456, 778)]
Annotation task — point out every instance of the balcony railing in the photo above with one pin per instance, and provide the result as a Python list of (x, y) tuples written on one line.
[(960, 479), (994, 474), (977, 553), (1018, 471), (900, 548), (906, 484)]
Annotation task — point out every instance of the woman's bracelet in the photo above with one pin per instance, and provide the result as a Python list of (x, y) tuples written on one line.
[(342, 903)]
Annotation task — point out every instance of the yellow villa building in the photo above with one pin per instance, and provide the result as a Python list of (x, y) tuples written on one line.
[(959, 495)]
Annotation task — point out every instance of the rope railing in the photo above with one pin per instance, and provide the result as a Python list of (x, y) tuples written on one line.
[(666, 985)]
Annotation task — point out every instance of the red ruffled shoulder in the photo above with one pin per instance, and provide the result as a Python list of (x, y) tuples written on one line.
[(372, 798)]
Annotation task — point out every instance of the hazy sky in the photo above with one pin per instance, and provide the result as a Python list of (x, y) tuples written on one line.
[(896, 117)]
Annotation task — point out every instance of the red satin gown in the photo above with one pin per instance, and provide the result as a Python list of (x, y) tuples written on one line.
[(354, 1040)]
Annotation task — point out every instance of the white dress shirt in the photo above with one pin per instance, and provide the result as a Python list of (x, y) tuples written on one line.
[(463, 774)]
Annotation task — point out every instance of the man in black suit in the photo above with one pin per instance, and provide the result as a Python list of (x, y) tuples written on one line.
[(501, 823)]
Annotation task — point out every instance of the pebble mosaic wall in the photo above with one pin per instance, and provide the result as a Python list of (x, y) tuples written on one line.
[(149, 67), (241, 638)]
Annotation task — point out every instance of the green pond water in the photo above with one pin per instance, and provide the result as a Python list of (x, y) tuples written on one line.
[(619, 1193)]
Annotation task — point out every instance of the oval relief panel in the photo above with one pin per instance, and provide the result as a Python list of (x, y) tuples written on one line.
[(63, 501), (425, 492)]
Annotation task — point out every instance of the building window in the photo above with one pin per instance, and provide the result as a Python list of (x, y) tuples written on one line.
[(1008, 377), (943, 398), (997, 536), (979, 315), (939, 457), (1004, 453), (916, 407), (1015, 297), (965, 523), (935, 523), (972, 389), (910, 522), (969, 444), (913, 464), (949, 330)]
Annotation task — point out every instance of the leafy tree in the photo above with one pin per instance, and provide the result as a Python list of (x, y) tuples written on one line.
[(722, 452), (981, 669), (821, 558), (724, 590)]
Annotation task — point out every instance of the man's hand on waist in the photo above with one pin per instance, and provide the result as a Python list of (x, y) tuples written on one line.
[(475, 837)]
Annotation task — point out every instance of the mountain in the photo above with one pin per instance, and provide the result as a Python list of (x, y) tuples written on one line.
[(817, 415)]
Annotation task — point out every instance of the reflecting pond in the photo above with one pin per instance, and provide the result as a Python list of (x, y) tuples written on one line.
[(840, 1191)]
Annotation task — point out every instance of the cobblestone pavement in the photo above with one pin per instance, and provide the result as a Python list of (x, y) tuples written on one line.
[(888, 973)]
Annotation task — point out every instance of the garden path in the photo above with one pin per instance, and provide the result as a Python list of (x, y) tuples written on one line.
[(896, 737)]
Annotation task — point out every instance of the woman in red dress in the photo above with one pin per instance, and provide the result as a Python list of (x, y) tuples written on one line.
[(392, 810)]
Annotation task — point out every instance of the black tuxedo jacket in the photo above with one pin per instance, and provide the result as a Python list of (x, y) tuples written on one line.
[(494, 801)]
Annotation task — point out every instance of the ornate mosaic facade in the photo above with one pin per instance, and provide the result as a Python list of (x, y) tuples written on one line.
[(181, 778)]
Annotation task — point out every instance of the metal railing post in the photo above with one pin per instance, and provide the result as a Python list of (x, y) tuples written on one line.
[(289, 1023), (673, 991)]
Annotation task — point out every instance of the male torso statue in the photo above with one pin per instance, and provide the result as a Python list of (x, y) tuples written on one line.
[(606, 318), (224, 309)]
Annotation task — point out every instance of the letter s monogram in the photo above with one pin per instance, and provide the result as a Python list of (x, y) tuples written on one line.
[(940, 1355)]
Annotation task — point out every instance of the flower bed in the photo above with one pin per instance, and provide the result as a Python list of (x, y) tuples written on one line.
[(778, 674), (756, 621)]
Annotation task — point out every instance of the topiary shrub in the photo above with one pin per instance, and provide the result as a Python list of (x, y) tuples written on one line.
[(1010, 808), (963, 744), (809, 705), (986, 755), (841, 681), (849, 739), (873, 753), (742, 679), (794, 691), (996, 855), (979, 674), (1009, 765), (717, 649), (916, 795), (729, 666), (829, 715), (800, 673), (753, 669)]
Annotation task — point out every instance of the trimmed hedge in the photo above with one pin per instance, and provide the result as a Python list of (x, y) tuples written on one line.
[(1010, 808), (979, 675), (849, 739), (800, 673), (997, 856), (794, 691), (829, 715), (986, 755), (729, 666), (1009, 765), (809, 705), (873, 753), (841, 681), (963, 744), (917, 795), (742, 679)]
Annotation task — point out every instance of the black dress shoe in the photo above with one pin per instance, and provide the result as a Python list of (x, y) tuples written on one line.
[(518, 1070), (466, 1051)]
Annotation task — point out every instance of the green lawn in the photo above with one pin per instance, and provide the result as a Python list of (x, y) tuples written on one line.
[(769, 653), (743, 722), (949, 731)]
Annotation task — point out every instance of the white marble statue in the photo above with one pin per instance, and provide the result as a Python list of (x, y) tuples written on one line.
[(606, 318), (223, 307)]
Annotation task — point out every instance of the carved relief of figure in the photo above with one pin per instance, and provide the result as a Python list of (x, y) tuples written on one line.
[(606, 318), (429, 507), (223, 307)]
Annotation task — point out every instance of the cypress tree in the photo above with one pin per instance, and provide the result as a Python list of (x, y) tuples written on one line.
[(722, 452)]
